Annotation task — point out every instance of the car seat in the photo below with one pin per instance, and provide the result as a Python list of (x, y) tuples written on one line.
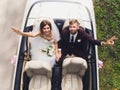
[(40, 75), (73, 70)]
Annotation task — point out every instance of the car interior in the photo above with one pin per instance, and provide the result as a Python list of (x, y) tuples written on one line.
[(41, 76)]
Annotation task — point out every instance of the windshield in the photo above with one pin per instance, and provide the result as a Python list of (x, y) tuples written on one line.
[(59, 10)]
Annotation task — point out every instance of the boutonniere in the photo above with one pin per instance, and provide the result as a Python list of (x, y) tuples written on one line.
[(79, 40)]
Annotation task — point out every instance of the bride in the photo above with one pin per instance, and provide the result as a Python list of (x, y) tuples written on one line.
[(45, 42)]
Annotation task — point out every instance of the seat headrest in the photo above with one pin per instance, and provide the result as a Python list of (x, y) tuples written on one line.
[(35, 67), (74, 65), (37, 22), (66, 23)]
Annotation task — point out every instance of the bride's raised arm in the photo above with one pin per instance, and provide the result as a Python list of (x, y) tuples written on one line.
[(29, 34)]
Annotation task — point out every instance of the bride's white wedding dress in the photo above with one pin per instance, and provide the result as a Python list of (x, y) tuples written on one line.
[(42, 49), (39, 68)]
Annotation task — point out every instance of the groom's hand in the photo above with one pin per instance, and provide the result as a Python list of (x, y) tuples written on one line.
[(110, 42)]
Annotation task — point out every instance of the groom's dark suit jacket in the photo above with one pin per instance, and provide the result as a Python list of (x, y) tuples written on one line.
[(78, 48)]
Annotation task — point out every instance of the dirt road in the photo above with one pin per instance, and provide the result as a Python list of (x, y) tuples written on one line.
[(11, 14)]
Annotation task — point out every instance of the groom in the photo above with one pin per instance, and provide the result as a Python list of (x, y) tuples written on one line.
[(74, 39)]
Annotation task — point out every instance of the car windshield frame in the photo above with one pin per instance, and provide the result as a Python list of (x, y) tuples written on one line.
[(59, 10)]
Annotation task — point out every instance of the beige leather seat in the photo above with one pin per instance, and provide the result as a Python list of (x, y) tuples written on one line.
[(40, 74), (73, 71)]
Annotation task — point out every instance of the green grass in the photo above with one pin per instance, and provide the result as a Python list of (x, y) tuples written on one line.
[(107, 13)]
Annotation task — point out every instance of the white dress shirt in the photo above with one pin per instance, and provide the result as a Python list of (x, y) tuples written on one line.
[(75, 35)]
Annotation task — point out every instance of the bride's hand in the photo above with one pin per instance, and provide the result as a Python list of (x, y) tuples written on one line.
[(58, 55), (16, 30)]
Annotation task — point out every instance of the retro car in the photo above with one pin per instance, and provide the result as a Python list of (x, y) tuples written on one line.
[(36, 76)]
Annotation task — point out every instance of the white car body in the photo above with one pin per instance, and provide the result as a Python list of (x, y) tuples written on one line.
[(60, 9)]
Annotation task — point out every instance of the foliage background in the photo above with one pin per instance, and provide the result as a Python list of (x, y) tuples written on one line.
[(107, 13)]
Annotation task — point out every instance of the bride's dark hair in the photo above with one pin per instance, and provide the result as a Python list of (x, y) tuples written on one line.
[(44, 23)]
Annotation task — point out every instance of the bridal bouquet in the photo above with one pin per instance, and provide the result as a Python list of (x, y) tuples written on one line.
[(49, 50)]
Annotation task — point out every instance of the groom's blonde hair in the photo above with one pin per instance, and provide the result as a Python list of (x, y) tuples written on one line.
[(73, 21)]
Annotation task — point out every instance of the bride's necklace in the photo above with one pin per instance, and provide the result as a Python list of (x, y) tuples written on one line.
[(48, 37)]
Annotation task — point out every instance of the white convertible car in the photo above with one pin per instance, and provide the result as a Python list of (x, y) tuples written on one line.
[(32, 75)]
